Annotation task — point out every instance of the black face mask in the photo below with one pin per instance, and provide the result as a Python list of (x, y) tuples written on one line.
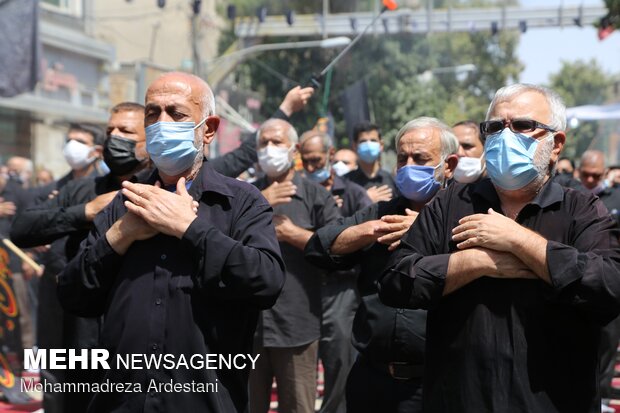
[(120, 155)]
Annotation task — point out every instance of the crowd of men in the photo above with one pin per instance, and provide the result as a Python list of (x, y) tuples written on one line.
[(481, 275)]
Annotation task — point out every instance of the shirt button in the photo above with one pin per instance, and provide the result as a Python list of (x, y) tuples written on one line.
[(155, 347), (158, 301), (163, 256)]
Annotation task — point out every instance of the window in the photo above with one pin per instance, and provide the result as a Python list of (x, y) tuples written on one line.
[(72, 7)]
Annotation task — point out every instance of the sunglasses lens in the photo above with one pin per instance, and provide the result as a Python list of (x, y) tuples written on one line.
[(523, 125), (494, 126)]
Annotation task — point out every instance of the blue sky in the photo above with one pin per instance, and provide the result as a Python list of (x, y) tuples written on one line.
[(542, 50)]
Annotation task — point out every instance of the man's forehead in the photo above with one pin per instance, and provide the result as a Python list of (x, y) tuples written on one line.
[(529, 104), (421, 139)]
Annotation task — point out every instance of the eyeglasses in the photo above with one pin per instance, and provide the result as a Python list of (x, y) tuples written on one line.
[(516, 125)]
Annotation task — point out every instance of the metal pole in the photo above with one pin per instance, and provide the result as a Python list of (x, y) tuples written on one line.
[(195, 49), (325, 13)]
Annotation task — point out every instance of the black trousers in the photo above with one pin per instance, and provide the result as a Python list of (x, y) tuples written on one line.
[(371, 390)]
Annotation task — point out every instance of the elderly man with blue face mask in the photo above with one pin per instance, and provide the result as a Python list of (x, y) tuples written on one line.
[(518, 273), (387, 375), (180, 266)]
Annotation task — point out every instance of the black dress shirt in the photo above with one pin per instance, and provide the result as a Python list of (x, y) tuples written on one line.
[(354, 197), (381, 333), (381, 178), (512, 345), (295, 320), (197, 295)]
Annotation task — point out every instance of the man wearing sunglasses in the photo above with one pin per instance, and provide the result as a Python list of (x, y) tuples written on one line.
[(518, 273)]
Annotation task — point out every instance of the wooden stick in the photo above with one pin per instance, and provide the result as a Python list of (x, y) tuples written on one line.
[(21, 254)]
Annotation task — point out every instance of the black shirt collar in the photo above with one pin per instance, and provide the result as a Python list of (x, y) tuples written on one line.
[(207, 180), (548, 195)]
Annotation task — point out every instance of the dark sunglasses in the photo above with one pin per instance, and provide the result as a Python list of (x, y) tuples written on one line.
[(516, 125)]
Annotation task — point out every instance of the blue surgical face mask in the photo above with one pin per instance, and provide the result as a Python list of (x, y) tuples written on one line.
[(369, 151), (320, 175), (171, 145), (510, 159), (417, 183)]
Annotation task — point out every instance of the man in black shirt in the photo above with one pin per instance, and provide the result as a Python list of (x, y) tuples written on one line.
[(289, 334), (518, 273), (180, 266), (368, 144), (339, 296), (387, 376), (70, 213)]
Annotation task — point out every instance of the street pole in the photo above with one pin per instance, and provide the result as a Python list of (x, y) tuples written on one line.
[(325, 13), (195, 47)]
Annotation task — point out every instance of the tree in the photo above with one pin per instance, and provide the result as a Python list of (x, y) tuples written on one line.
[(581, 83), (392, 65)]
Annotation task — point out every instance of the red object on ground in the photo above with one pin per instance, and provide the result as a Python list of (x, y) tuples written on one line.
[(390, 4)]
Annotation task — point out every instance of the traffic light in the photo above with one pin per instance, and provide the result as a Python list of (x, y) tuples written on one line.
[(161, 3), (196, 6), (261, 13), (290, 17), (231, 12)]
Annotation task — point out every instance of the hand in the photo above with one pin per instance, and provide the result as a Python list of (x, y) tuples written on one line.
[(167, 212), (7, 209), (493, 231), (129, 228), (382, 193), (95, 206), (507, 265), (284, 227), (339, 201), (401, 224), (53, 194), (279, 193), (296, 99), (28, 272)]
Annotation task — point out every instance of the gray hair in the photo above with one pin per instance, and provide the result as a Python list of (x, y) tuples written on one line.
[(449, 143), (208, 103), (326, 140), (555, 102), (290, 130)]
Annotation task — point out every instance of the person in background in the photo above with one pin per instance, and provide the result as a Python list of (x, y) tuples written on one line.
[(71, 213), (387, 375), (518, 273), (288, 338), (345, 161), (471, 148), (339, 296), (565, 174), (368, 144), (43, 177), (234, 163), (20, 169)]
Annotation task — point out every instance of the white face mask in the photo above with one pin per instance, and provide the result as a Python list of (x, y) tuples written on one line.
[(77, 154), (468, 170), (341, 168), (274, 161)]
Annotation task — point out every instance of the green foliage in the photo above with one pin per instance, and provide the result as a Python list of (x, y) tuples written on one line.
[(393, 67), (581, 83)]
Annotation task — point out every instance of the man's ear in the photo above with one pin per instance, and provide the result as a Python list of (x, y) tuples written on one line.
[(330, 154), (98, 151), (210, 127), (450, 165), (558, 143)]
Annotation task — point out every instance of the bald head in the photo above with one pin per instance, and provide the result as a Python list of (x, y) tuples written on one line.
[(20, 167), (592, 169), (194, 88)]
